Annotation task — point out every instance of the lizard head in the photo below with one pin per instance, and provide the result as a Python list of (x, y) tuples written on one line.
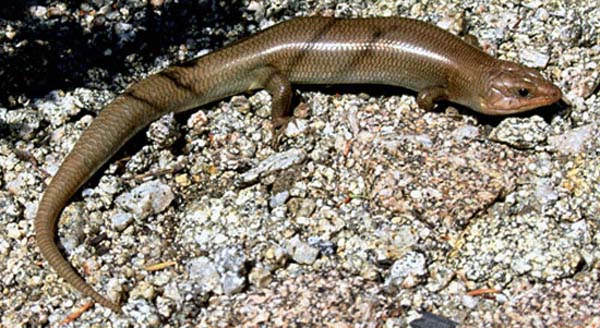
[(512, 88)]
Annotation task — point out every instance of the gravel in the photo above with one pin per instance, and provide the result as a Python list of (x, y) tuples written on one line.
[(368, 213)]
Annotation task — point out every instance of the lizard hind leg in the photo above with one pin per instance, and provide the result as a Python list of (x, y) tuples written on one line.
[(280, 89)]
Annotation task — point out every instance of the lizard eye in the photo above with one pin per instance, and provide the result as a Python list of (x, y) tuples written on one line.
[(523, 92)]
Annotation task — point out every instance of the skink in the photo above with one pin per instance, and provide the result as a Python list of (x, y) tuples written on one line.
[(317, 50)]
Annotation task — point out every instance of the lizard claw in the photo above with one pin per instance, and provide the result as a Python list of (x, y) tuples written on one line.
[(278, 126)]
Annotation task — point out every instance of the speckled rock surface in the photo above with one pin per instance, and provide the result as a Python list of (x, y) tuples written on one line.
[(370, 211)]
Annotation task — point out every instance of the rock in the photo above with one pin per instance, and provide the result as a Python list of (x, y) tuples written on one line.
[(440, 276), (296, 127), (465, 132), (121, 220), (143, 290), (574, 141), (204, 272), (144, 313), (275, 162), (232, 283), (522, 133), (230, 259), (279, 199), (406, 272), (164, 132), (302, 252), (469, 301), (533, 58), (147, 199), (259, 277)]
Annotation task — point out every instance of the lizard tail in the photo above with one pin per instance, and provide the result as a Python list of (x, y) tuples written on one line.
[(117, 123)]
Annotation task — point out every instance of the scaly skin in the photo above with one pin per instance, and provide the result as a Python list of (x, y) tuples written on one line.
[(392, 51)]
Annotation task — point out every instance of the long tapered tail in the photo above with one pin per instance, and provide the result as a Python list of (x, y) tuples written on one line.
[(118, 122)]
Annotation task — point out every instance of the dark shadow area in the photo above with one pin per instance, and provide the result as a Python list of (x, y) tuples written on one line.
[(597, 89), (59, 53), (16, 10), (4, 129)]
